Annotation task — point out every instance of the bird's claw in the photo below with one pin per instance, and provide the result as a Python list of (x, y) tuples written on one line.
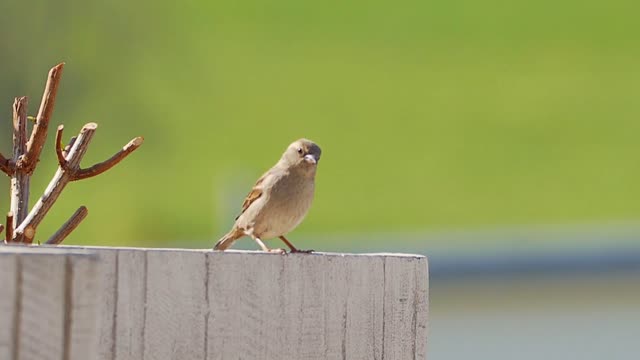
[(301, 251)]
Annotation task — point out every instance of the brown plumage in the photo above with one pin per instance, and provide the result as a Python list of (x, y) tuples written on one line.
[(279, 200)]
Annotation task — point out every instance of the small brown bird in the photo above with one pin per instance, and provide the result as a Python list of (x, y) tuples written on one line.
[(279, 200)]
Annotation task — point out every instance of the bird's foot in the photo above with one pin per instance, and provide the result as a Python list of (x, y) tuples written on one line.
[(301, 251)]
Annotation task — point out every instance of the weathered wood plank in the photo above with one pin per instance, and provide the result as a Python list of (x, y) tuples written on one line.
[(243, 294), (421, 308), (107, 295), (82, 302), (365, 308), (131, 300), (9, 306), (198, 304), (175, 313), (295, 307), (50, 303), (402, 300), (42, 319)]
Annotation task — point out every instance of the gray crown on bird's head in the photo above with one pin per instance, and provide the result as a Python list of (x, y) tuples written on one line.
[(302, 151)]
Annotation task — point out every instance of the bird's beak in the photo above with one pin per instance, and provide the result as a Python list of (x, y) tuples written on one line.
[(310, 159)]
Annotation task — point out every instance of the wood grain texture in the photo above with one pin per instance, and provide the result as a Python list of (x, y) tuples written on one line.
[(174, 325), (9, 306), (297, 306), (403, 302), (199, 304), (130, 305), (49, 304), (42, 318), (107, 295), (82, 302)]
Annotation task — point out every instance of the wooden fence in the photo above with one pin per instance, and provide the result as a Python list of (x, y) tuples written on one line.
[(129, 303)]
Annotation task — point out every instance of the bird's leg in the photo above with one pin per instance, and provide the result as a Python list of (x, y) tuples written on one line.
[(293, 248), (266, 249)]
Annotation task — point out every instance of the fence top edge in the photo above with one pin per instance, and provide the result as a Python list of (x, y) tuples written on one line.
[(45, 250), (233, 252)]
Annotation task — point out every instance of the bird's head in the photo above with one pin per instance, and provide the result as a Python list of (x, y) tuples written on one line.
[(302, 153)]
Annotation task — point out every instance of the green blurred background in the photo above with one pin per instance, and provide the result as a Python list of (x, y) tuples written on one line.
[(498, 137), (432, 115)]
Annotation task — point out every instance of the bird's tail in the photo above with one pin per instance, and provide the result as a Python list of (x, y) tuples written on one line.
[(226, 241)]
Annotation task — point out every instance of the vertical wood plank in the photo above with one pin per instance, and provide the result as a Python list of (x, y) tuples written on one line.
[(107, 290), (244, 298), (131, 277), (42, 330), (83, 306), (365, 308), (175, 312), (422, 307), (400, 299), (336, 278), (9, 275)]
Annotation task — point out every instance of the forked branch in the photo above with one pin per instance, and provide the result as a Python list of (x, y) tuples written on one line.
[(99, 168), (22, 224), (69, 170)]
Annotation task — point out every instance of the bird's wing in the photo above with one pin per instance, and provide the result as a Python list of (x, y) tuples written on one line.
[(253, 195)]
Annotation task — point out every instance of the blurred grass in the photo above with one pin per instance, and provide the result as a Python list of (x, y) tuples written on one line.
[(431, 115)]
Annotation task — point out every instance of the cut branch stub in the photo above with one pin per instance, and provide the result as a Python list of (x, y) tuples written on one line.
[(9, 233), (39, 132), (59, 149)]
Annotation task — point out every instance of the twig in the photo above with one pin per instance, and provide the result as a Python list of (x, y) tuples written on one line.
[(1, 228), (67, 147), (59, 150), (39, 132), (8, 235), (61, 178), (20, 177), (69, 226), (99, 168), (5, 165)]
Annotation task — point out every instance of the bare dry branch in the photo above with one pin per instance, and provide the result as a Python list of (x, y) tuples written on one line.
[(5, 165), (61, 160), (8, 235), (59, 181), (68, 226), (20, 178), (99, 168), (39, 132)]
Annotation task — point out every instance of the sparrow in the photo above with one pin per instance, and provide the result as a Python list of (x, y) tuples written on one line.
[(279, 200)]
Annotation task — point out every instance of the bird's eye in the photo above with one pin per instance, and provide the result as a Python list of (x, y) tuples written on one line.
[(300, 151)]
